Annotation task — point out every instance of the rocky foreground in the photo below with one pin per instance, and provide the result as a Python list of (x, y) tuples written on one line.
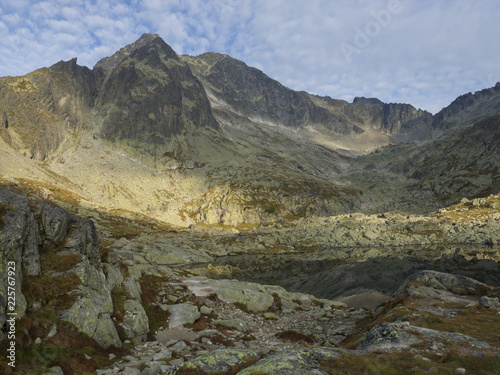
[(108, 295)]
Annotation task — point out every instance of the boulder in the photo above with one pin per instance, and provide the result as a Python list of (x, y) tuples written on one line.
[(136, 324), (292, 361), (235, 324), (91, 312), (439, 280), (388, 336), (183, 313), (490, 302), (221, 361)]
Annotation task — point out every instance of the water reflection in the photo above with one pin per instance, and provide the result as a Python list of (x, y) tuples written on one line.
[(333, 273)]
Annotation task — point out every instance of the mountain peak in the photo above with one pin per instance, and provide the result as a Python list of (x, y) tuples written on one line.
[(146, 39)]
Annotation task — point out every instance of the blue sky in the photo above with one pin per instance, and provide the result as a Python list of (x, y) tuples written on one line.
[(422, 52)]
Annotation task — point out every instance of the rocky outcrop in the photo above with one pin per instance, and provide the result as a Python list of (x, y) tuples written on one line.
[(18, 252), (468, 107), (91, 313), (59, 99), (462, 162), (390, 118), (416, 302), (30, 227)]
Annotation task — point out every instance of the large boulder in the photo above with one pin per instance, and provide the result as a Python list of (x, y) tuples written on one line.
[(444, 281), (135, 324), (292, 361), (182, 313), (91, 313)]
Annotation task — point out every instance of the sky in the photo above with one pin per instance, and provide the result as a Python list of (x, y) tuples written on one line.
[(422, 52)]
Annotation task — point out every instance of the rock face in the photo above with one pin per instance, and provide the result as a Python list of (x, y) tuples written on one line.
[(246, 91), (391, 118), (468, 107), (463, 161), (59, 99), (147, 94), (29, 227), (143, 95)]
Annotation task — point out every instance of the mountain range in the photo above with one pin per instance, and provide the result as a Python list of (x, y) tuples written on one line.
[(173, 214), (208, 139)]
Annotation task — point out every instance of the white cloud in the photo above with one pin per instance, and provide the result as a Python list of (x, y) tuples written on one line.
[(425, 53)]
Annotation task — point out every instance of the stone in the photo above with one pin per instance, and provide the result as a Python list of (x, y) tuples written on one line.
[(205, 310), (179, 347), (209, 333), (154, 369), (490, 302), (460, 370), (132, 288), (388, 336), (163, 355), (235, 324), (183, 313), (131, 371), (52, 332), (221, 361), (270, 316), (177, 362), (291, 361), (56, 370), (136, 323)]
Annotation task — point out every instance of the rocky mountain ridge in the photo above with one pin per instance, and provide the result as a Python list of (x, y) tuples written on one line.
[(210, 140)]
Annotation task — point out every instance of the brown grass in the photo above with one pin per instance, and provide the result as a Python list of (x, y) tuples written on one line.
[(66, 349), (105, 252), (295, 336), (123, 268), (199, 325), (278, 304), (402, 363), (4, 208)]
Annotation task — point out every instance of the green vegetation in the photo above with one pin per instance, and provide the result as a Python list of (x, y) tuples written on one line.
[(151, 286), (402, 363)]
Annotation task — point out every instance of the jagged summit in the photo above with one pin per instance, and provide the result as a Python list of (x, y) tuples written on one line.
[(108, 63)]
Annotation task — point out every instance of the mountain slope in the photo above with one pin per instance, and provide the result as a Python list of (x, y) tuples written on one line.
[(210, 140), (236, 87)]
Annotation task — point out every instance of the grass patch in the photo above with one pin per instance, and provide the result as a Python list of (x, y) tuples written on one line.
[(479, 322), (67, 349), (52, 293), (151, 286), (402, 363), (4, 208), (295, 336)]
